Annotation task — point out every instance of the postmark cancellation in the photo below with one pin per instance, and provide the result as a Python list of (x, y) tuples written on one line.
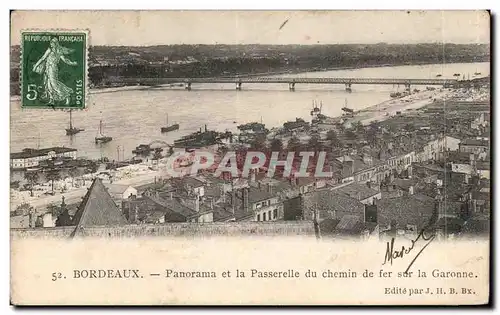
[(54, 69)]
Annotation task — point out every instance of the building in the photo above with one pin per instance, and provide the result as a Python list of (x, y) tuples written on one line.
[(32, 157), (265, 204), (361, 192), (360, 169), (331, 204), (406, 214), (97, 209), (475, 146), (349, 227), (120, 192), (435, 149)]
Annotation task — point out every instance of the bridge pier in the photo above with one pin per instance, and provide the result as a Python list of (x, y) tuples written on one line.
[(238, 86), (187, 86), (348, 87), (291, 86), (408, 87)]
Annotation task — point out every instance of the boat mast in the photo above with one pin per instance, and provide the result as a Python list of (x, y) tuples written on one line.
[(70, 120)]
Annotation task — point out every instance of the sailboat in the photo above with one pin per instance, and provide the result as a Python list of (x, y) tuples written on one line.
[(72, 130), (100, 138), (169, 128), (316, 109), (346, 109)]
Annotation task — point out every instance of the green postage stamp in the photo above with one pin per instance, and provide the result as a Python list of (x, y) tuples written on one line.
[(54, 69)]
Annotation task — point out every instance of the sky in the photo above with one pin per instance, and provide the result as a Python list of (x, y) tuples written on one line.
[(145, 28)]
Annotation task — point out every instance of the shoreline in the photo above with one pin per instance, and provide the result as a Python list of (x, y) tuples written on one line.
[(100, 90), (144, 175)]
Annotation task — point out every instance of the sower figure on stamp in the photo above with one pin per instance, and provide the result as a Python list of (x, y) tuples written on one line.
[(48, 66)]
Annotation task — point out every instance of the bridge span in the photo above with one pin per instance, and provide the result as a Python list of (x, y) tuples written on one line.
[(348, 82)]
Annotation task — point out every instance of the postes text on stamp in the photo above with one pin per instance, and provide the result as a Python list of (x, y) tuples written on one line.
[(54, 69)]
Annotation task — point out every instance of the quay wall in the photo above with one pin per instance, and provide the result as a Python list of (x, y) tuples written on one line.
[(203, 230)]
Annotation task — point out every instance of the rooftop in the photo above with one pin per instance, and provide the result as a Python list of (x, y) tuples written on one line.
[(357, 191), (116, 188), (97, 209), (414, 209), (475, 142), (29, 153), (256, 195), (332, 204)]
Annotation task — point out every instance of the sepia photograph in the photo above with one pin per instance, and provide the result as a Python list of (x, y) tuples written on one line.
[(250, 157)]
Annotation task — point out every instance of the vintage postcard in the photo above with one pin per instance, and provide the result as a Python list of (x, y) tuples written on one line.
[(250, 157)]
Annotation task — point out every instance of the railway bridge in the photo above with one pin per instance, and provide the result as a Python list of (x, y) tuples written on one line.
[(239, 81)]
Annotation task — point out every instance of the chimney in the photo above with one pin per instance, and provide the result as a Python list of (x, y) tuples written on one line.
[(410, 190), (135, 218), (393, 228), (171, 195), (211, 203), (367, 159), (270, 188), (32, 219), (348, 167), (233, 199), (245, 198), (438, 204), (370, 213), (252, 175), (197, 203), (206, 128)]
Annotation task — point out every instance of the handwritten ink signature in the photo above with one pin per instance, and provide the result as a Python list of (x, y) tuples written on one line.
[(391, 253)]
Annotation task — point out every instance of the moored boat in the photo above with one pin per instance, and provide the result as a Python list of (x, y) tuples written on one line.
[(101, 138), (72, 130), (169, 128)]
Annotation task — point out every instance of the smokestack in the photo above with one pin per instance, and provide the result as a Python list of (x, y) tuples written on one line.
[(206, 128)]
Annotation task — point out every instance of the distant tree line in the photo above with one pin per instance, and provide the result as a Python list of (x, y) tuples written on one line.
[(230, 60)]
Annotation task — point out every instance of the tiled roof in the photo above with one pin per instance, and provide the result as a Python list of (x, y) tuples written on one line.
[(256, 195), (357, 191), (404, 183), (20, 222), (116, 188), (222, 214), (450, 225), (332, 204), (477, 225), (475, 142), (175, 205), (97, 209), (413, 209)]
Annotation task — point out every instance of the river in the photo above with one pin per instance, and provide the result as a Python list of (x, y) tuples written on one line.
[(133, 117)]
